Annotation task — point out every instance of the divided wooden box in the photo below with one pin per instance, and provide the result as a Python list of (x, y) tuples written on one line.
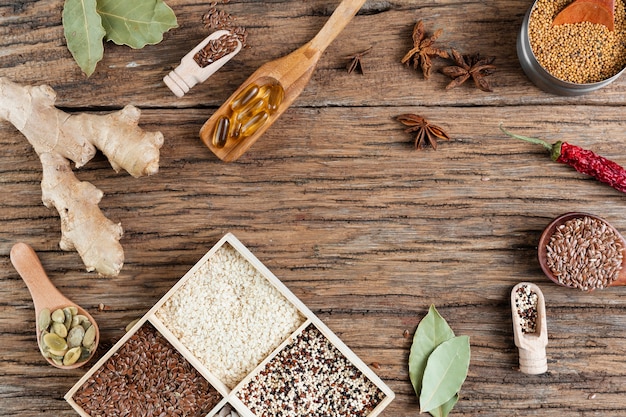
[(247, 380)]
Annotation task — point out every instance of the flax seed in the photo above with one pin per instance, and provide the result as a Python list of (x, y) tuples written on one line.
[(147, 385), (584, 253)]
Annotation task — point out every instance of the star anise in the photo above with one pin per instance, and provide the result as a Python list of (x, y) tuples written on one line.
[(470, 65), (423, 51), (356, 61), (426, 133)]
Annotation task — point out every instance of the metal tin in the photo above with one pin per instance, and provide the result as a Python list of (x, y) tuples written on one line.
[(542, 78)]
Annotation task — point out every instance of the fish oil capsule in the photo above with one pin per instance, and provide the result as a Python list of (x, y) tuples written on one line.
[(235, 129), (254, 123), (244, 97), (275, 97), (251, 110), (220, 136)]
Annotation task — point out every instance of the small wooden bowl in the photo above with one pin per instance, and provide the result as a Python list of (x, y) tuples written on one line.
[(549, 231)]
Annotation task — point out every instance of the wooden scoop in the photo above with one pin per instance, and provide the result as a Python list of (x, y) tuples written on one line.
[(292, 72), (45, 295), (549, 231), (594, 11), (531, 345)]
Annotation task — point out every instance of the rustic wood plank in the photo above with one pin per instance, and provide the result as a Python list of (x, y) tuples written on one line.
[(365, 230)]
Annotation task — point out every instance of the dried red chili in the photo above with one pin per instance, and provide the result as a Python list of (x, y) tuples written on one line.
[(583, 161)]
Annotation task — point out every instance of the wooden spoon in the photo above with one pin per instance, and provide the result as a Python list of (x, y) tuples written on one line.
[(292, 72), (549, 231), (531, 346), (45, 294), (594, 11)]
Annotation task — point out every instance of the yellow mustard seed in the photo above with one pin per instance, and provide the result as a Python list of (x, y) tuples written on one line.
[(579, 53)]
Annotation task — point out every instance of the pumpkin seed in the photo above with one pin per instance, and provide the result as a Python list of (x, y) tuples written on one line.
[(71, 356), (59, 328), (44, 319), (66, 337), (131, 324), (56, 344), (58, 316), (75, 336), (90, 337), (84, 354), (68, 317)]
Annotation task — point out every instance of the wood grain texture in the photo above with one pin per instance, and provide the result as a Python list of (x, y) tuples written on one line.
[(333, 199)]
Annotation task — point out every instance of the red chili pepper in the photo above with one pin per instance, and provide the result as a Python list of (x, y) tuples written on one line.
[(583, 161)]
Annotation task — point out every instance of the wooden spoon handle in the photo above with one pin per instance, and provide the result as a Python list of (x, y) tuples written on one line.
[(342, 15), (27, 264)]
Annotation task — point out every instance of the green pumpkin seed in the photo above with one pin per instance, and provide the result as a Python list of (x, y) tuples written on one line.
[(58, 316), (44, 319), (68, 317), (72, 356), (84, 354), (66, 337), (59, 328), (131, 324), (90, 337), (54, 341), (75, 337)]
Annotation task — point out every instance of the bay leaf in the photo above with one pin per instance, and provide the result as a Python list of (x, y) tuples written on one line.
[(431, 332), (444, 409), (83, 32), (445, 372), (136, 23)]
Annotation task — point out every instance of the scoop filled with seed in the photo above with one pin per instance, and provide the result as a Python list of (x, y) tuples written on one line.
[(530, 328), (580, 250), (67, 334)]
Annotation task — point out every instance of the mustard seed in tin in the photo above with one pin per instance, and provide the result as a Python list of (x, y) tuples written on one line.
[(147, 377), (578, 53), (310, 377)]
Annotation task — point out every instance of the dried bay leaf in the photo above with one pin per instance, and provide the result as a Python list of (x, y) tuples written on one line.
[(431, 332), (136, 23), (83, 32), (444, 409), (446, 370)]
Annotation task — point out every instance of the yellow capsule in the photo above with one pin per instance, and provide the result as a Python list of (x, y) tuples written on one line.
[(254, 123), (244, 97), (275, 98), (220, 136), (235, 129), (251, 110)]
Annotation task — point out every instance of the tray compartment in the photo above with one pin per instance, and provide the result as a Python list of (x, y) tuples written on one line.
[(310, 376), (229, 316), (149, 376)]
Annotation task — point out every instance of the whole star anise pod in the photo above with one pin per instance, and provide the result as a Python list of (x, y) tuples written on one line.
[(356, 61), (423, 51), (426, 133), (470, 65)]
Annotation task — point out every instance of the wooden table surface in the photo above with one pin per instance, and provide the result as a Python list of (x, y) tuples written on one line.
[(367, 231)]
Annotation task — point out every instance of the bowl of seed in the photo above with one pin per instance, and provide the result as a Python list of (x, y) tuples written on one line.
[(581, 250), (573, 58)]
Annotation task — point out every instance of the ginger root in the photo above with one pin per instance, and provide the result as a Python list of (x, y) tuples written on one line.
[(58, 137)]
